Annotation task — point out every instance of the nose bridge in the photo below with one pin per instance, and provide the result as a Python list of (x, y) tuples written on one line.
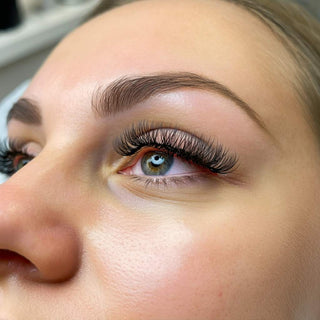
[(34, 223), (33, 188), (48, 177)]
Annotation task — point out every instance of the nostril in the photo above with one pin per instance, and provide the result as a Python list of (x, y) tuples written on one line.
[(45, 252), (14, 263)]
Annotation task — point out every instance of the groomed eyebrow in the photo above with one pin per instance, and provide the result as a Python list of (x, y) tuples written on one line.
[(123, 94), (25, 111)]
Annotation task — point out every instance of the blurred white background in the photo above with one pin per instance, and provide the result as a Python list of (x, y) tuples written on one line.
[(44, 22)]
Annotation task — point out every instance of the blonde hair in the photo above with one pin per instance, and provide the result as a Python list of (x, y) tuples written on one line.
[(298, 31)]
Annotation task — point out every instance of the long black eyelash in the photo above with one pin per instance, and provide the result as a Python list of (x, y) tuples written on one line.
[(197, 150), (8, 150)]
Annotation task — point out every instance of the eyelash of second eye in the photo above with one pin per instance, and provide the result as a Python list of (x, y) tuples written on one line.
[(196, 150), (8, 150)]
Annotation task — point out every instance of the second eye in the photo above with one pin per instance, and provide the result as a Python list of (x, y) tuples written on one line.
[(20, 161)]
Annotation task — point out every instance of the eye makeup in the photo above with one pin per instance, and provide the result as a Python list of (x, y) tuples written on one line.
[(13, 156), (197, 150)]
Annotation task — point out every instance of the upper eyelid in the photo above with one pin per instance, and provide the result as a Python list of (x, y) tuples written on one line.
[(142, 128), (18, 146), (200, 151), (175, 137)]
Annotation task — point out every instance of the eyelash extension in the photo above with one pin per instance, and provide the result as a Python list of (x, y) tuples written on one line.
[(8, 150), (196, 150)]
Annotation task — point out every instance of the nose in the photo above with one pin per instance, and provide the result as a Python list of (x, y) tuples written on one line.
[(36, 240)]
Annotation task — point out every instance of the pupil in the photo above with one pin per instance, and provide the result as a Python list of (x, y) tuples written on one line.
[(157, 160)]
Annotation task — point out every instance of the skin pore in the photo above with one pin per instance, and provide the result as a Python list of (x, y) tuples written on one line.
[(82, 237)]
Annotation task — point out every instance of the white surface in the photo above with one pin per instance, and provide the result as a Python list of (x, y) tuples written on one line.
[(5, 106), (15, 73), (41, 30)]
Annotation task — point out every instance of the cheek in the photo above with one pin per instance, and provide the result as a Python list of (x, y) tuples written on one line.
[(206, 265), (163, 270)]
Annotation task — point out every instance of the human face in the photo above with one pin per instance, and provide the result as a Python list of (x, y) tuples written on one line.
[(88, 231)]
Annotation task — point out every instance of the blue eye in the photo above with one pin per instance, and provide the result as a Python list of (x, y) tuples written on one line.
[(161, 164), (156, 163), (160, 155)]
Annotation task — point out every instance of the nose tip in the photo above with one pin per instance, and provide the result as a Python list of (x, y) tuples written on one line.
[(36, 241), (55, 254)]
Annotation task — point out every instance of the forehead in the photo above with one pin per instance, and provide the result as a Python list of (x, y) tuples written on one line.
[(150, 35), (214, 38)]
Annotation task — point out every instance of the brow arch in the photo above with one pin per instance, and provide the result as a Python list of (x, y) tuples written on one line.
[(124, 93)]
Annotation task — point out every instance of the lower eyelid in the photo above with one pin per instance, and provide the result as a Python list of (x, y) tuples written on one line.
[(165, 182)]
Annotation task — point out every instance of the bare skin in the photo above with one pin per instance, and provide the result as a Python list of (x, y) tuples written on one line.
[(81, 239)]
